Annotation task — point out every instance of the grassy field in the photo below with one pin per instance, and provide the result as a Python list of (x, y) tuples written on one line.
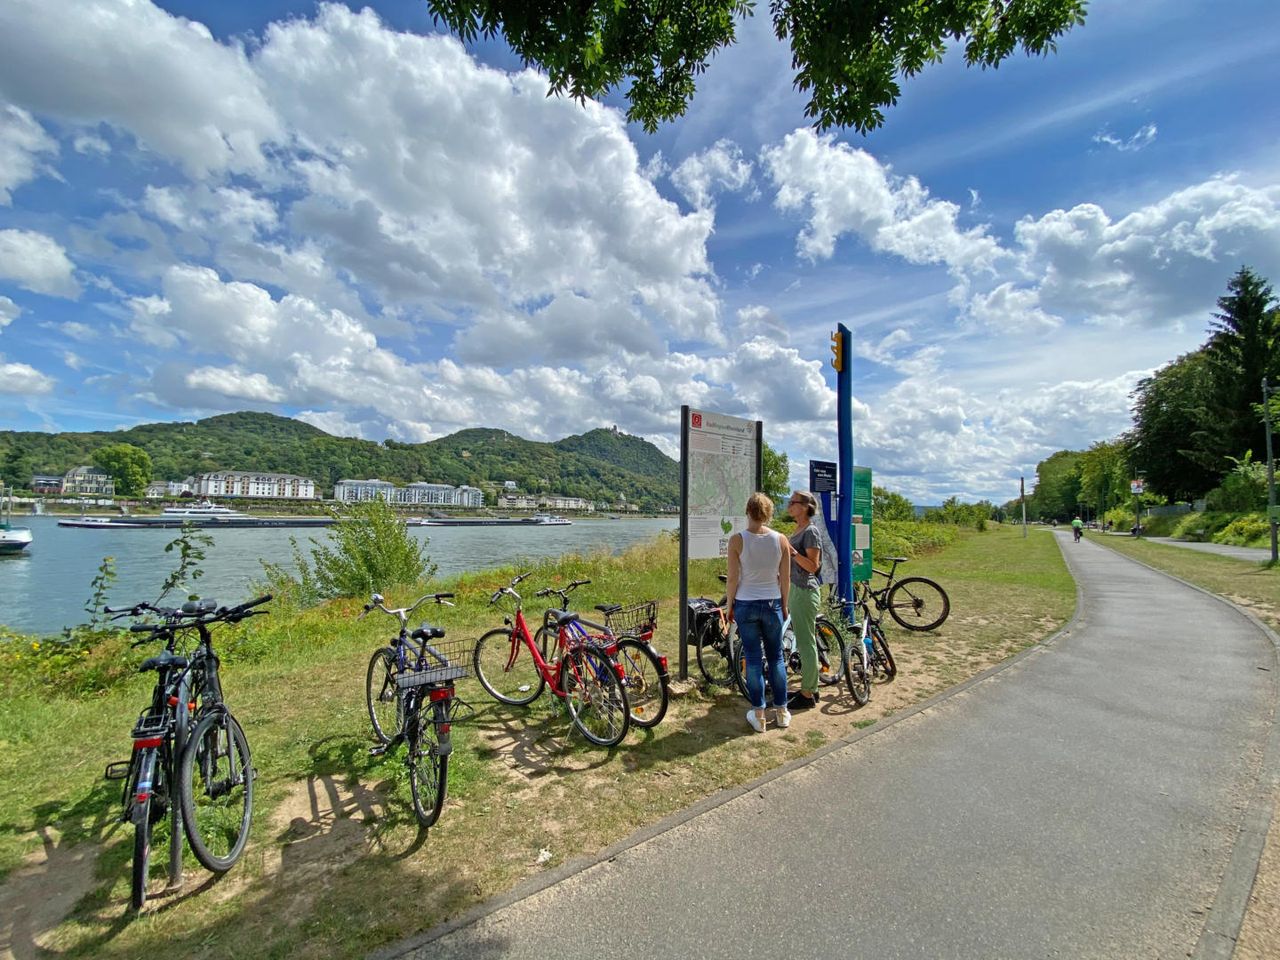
[(334, 839)]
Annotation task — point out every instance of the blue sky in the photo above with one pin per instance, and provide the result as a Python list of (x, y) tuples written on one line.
[(331, 212)]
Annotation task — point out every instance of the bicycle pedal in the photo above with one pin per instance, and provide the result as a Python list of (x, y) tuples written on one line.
[(117, 771)]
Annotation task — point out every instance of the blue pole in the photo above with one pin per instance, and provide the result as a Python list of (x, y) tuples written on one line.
[(844, 429)]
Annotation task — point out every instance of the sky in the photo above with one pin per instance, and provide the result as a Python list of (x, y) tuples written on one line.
[(336, 213)]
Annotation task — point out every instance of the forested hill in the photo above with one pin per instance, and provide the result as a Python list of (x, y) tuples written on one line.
[(600, 465)]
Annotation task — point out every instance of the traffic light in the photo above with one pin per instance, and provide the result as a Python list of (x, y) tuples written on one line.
[(837, 351)]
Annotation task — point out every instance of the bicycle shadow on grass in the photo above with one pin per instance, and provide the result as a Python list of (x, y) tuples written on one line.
[(540, 739)]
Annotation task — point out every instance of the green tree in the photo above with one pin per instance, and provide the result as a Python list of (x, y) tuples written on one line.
[(1104, 475), (887, 505), (1242, 349), (128, 465), (1174, 429), (1057, 492), (776, 472), (848, 57)]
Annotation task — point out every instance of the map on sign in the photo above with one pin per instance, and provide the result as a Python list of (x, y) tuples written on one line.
[(720, 475)]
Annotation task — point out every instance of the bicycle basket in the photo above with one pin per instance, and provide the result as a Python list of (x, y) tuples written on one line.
[(636, 619), (444, 661)]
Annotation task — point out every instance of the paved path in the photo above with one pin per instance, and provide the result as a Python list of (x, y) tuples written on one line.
[(1256, 554), (1083, 802)]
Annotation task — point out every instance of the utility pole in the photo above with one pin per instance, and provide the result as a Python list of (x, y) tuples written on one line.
[(1271, 470), (1022, 495)]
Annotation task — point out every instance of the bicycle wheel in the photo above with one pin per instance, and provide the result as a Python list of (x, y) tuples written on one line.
[(215, 785), (506, 669), (918, 604), (428, 767), (141, 859), (381, 695), (882, 658), (713, 655), (856, 675), (594, 696), (647, 691), (831, 656)]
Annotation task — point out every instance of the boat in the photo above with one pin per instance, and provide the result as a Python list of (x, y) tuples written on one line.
[(537, 520), (549, 520), (202, 509), (204, 514), (12, 539)]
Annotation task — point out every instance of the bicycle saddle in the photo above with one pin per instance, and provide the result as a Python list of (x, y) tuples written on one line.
[(428, 632), (163, 662), (892, 559), (608, 608), (562, 617)]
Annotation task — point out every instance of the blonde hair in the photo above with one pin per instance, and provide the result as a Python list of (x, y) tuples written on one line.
[(759, 508)]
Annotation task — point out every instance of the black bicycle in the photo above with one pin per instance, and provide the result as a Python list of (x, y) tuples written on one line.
[(915, 603), (190, 758), (409, 691)]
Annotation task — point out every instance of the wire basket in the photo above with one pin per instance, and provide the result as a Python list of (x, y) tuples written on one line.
[(636, 619), (444, 661)]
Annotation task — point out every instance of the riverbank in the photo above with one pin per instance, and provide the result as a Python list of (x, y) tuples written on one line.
[(333, 831)]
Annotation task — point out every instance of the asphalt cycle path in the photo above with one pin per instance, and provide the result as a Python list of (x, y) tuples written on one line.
[(1255, 554), (1082, 801)]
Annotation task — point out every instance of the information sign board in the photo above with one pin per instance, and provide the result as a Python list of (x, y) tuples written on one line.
[(1135, 486), (722, 470), (862, 501), (822, 476)]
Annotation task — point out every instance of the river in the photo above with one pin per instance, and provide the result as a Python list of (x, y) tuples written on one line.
[(46, 588)]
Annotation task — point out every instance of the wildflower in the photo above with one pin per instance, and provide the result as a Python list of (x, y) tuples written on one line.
[(35, 645)]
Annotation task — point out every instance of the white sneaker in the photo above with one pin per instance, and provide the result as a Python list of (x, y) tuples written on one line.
[(757, 723), (782, 717)]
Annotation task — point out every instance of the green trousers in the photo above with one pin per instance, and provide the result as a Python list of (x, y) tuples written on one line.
[(803, 607)]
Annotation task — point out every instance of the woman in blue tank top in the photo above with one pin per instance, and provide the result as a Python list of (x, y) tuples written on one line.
[(758, 587)]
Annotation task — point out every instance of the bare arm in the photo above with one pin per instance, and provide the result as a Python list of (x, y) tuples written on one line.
[(784, 574), (735, 573)]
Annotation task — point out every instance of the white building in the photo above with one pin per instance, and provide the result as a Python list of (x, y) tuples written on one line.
[(241, 483), (556, 502), (509, 501), (427, 494), (90, 481)]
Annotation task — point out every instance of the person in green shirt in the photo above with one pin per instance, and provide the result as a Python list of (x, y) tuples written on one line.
[(1077, 528)]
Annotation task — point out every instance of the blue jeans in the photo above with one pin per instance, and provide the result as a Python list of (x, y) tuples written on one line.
[(760, 626)]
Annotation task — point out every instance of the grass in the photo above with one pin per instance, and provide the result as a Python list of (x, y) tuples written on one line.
[(333, 832)]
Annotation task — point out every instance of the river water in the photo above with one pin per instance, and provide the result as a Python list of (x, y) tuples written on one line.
[(46, 588)]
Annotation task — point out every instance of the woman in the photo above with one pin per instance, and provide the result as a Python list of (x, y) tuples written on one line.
[(806, 561), (758, 585)]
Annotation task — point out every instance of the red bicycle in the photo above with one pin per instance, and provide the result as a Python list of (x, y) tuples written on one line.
[(512, 670)]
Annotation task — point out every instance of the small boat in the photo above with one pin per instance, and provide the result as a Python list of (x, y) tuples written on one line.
[(12, 539), (549, 520), (202, 509)]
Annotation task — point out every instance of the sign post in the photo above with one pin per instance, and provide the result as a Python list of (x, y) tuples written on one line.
[(860, 562), (1135, 488), (721, 465), (844, 436)]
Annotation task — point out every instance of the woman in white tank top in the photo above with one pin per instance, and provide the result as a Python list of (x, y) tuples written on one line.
[(758, 588)]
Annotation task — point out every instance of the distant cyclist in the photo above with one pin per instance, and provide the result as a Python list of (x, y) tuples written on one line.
[(1077, 528)]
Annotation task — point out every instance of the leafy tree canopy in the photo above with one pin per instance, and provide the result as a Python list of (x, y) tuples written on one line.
[(777, 473), (128, 465), (849, 57)]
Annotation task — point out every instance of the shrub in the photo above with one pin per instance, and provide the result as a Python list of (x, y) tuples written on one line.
[(371, 550), (1120, 518), (1200, 527), (1243, 489), (1243, 531)]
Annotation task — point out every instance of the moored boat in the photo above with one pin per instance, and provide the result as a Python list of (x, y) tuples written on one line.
[(12, 539)]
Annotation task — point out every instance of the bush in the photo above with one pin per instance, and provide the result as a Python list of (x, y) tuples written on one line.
[(1199, 527), (371, 551), (1245, 531), (1242, 490), (1120, 518)]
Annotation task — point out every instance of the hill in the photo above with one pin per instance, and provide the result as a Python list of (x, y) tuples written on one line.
[(599, 465)]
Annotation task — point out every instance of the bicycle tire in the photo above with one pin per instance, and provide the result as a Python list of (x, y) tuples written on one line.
[(647, 692), (518, 686), (141, 859), (883, 656), (594, 696), (428, 768), (381, 696), (917, 603), (831, 653), (215, 785), (712, 655)]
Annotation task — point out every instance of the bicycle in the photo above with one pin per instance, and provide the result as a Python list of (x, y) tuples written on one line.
[(418, 683), (190, 757), (915, 603), (872, 645), (1077, 533), (584, 678), (629, 631)]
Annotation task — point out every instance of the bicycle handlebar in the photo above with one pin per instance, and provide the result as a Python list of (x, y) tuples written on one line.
[(376, 602)]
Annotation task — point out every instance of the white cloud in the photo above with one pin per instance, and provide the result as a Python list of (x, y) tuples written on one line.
[(721, 167), (843, 191), (9, 312), (758, 320), (89, 144), (36, 263), (1008, 309), (22, 144), (138, 69), (20, 379), (235, 384), (1144, 136), (72, 360)]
